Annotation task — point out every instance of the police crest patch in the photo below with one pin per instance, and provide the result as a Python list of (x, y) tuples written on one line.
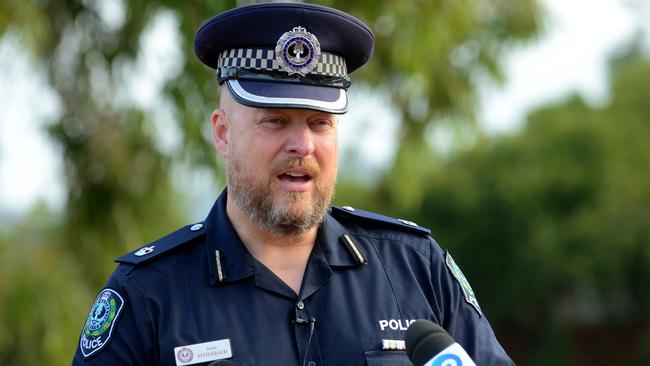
[(468, 293), (100, 321)]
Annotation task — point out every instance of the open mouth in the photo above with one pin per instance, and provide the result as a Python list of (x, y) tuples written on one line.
[(295, 177)]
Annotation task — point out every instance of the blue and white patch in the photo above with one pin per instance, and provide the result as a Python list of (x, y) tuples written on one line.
[(100, 322), (468, 293)]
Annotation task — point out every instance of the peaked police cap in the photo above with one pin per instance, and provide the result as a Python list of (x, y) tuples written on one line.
[(285, 55)]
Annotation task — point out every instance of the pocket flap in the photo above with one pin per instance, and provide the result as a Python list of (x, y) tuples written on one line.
[(387, 358)]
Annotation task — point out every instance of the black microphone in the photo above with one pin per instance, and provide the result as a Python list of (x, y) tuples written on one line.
[(223, 363), (427, 344)]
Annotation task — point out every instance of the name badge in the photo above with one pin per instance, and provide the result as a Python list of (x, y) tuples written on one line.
[(202, 352)]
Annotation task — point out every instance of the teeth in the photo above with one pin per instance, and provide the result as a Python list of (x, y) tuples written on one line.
[(295, 174)]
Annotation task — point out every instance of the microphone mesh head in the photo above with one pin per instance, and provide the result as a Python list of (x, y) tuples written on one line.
[(425, 339)]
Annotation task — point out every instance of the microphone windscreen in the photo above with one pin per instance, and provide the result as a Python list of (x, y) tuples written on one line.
[(425, 339)]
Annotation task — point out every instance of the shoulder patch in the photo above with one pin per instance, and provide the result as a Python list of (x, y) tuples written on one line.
[(162, 245), (347, 211), (468, 293), (100, 321)]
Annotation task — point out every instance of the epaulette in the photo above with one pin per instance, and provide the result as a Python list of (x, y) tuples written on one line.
[(347, 211), (156, 248)]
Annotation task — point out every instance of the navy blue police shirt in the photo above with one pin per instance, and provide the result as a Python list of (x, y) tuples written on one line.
[(197, 295)]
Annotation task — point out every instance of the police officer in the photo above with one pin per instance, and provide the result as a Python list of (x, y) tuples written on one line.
[(274, 275)]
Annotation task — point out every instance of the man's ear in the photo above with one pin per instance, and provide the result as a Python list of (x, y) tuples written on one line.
[(220, 132)]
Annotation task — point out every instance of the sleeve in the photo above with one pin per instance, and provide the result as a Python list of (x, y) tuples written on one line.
[(113, 332), (460, 313)]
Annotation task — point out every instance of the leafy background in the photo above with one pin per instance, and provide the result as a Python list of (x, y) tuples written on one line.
[(549, 222)]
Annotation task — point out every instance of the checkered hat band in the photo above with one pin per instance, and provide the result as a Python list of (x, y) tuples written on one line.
[(264, 59)]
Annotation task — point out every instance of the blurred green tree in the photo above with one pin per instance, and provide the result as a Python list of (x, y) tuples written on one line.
[(429, 58)]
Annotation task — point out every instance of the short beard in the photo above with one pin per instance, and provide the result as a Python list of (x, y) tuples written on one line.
[(254, 196)]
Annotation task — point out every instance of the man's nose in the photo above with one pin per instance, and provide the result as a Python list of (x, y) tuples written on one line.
[(300, 142)]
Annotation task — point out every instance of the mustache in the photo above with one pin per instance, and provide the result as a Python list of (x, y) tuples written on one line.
[(307, 164)]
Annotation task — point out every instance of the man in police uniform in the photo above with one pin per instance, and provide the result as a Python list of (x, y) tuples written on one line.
[(274, 276)]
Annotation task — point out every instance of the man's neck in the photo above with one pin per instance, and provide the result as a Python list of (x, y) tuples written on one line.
[(286, 256)]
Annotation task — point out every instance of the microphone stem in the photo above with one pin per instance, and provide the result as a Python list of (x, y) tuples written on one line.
[(312, 323)]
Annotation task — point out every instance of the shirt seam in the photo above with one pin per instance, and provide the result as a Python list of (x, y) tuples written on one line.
[(421, 253)]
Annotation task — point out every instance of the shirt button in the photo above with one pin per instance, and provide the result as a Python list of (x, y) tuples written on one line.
[(311, 363), (300, 305)]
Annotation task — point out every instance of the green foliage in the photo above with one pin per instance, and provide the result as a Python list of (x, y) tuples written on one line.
[(42, 295), (428, 56)]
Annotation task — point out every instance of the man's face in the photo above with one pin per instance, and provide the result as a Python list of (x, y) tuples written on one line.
[(281, 164)]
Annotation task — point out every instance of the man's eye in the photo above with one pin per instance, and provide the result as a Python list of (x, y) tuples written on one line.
[(321, 123)]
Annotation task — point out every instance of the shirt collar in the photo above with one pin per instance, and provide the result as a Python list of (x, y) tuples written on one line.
[(229, 260)]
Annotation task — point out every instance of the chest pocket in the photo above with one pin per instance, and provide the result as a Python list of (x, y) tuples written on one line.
[(386, 358)]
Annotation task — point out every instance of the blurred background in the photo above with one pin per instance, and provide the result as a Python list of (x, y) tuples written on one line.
[(517, 130)]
